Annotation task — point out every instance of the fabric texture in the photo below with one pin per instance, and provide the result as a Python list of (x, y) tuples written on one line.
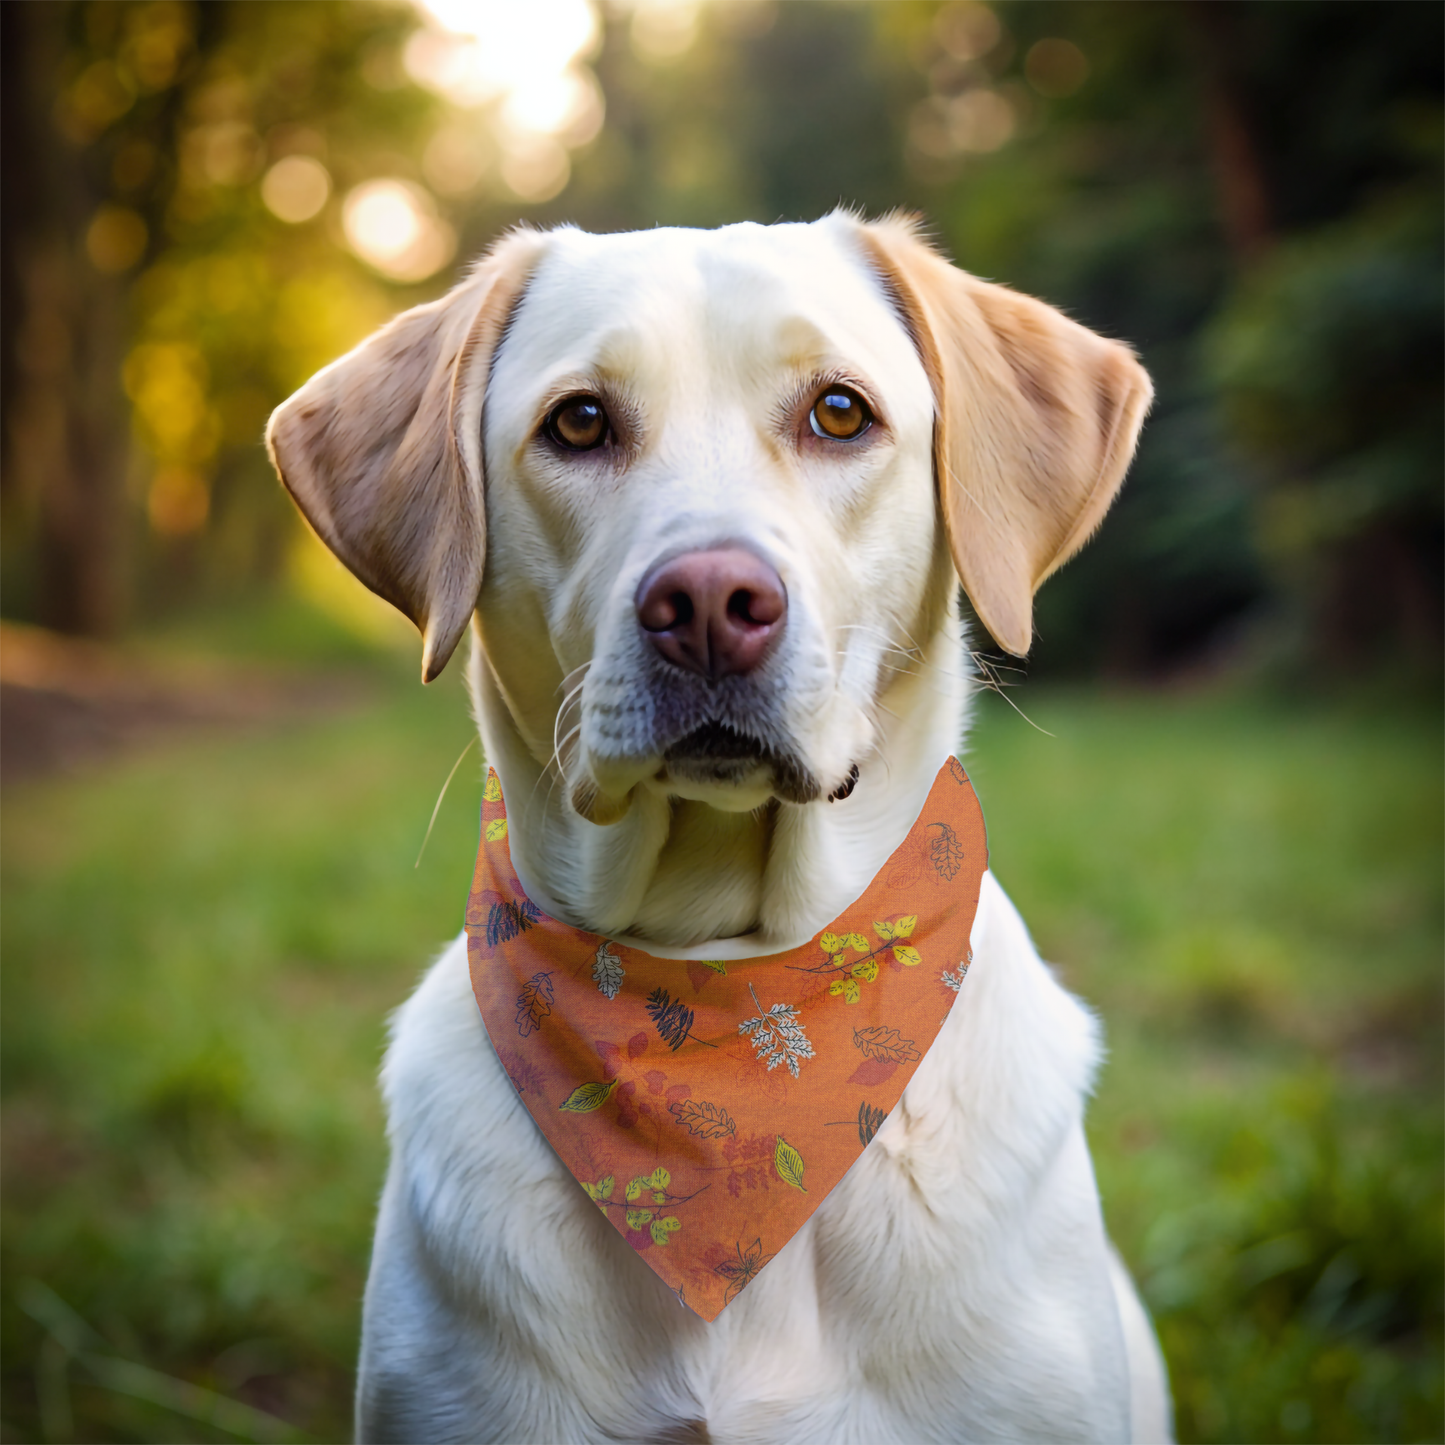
[(707, 1108)]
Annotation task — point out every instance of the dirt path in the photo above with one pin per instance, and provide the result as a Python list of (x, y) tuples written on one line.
[(67, 703)]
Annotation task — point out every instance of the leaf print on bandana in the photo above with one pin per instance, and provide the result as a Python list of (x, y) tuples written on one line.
[(496, 830), (955, 980), (705, 1120), (587, 1097), (506, 920), (777, 1036), (885, 1044), (492, 793), (869, 1120), (789, 1164), (742, 1270), (600, 1192), (534, 1003), (672, 1019), (945, 852), (607, 970), (848, 977)]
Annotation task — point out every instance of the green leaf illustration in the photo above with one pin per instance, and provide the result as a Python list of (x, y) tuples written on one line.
[(662, 1228), (587, 1097), (789, 1164)]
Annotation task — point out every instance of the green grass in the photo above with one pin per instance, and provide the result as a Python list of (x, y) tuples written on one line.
[(201, 946)]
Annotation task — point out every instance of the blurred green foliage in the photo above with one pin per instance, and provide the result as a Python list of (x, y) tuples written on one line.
[(1249, 892), (1249, 192)]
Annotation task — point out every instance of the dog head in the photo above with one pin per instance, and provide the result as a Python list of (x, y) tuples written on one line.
[(709, 494)]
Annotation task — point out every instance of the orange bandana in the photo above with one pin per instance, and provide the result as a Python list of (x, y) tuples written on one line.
[(708, 1108)]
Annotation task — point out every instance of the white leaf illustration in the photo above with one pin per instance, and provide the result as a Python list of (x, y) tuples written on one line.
[(607, 970), (777, 1036)]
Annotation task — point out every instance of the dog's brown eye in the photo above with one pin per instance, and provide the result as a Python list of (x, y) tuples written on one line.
[(839, 415), (579, 424)]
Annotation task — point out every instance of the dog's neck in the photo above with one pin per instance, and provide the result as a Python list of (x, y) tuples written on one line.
[(682, 879)]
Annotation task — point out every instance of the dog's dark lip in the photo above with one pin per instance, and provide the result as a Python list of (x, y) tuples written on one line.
[(717, 741), (719, 753)]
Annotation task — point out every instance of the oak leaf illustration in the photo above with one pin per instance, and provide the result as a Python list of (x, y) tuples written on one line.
[(707, 1121), (607, 970), (885, 1044), (955, 768), (534, 1003), (587, 1097), (945, 852)]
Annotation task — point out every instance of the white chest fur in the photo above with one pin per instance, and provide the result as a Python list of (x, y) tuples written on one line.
[(955, 1285)]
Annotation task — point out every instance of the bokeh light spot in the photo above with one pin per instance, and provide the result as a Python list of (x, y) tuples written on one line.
[(296, 188), (115, 239), (1056, 68), (392, 225)]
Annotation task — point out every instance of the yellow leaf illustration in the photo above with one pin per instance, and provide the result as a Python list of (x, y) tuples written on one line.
[(587, 1097), (903, 927), (638, 1218), (635, 1188), (662, 1228), (829, 942), (660, 1178), (659, 1197), (789, 1164), (909, 956), (867, 970), (845, 987), (716, 964), (496, 829), (599, 1191), (857, 942), (493, 791), (884, 930)]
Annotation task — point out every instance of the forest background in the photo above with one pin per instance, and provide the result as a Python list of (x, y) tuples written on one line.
[(202, 204)]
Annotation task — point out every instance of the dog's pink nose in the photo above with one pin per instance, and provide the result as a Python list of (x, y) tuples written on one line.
[(715, 612)]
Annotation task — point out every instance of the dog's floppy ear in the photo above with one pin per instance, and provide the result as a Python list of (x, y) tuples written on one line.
[(382, 450), (1036, 421)]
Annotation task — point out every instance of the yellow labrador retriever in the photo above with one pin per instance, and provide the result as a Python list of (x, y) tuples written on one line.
[(706, 499)]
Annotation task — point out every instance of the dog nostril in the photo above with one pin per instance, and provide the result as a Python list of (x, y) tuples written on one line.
[(759, 609), (682, 608)]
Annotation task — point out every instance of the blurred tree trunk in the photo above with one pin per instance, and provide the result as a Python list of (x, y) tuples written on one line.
[(64, 418), (1240, 181)]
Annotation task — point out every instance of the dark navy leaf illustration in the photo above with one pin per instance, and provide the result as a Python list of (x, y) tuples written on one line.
[(671, 1019), (869, 1120), (506, 920)]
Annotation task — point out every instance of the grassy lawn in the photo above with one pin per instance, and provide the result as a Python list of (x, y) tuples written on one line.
[(201, 945)]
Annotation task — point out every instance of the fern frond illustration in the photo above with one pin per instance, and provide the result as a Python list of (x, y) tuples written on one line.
[(777, 1036), (869, 1121), (607, 970), (506, 920), (671, 1018), (534, 1003), (955, 980)]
